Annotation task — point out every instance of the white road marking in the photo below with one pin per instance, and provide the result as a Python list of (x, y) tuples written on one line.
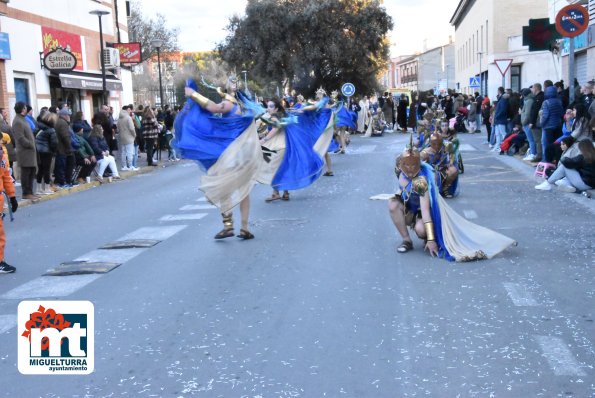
[(203, 199), (7, 322), (180, 217), (467, 148), (197, 207), (119, 256), (470, 214), (157, 233), (363, 149), (49, 286), (520, 296), (559, 356)]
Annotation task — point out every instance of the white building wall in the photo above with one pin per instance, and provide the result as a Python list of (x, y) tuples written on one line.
[(25, 46), (73, 12)]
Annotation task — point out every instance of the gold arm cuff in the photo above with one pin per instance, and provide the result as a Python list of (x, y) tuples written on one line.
[(429, 226), (200, 99)]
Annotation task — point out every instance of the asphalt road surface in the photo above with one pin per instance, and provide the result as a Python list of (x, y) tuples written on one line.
[(320, 304)]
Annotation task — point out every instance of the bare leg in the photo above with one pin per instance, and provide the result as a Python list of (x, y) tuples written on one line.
[(327, 159), (245, 211), (420, 231), (397, 214)]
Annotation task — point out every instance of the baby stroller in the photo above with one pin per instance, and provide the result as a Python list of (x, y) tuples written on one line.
[(459, 120)]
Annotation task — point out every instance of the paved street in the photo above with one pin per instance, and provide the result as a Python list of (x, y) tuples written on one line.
[(320, 304)]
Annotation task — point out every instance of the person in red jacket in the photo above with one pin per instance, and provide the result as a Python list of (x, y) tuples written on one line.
[(6, 187)]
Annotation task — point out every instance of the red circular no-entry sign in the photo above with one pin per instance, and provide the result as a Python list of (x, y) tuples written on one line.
[(572, 20)]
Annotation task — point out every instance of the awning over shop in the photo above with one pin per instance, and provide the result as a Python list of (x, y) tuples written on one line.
[(89, 81)]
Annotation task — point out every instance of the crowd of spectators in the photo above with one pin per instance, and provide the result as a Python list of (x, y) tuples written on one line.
[(57, 150)]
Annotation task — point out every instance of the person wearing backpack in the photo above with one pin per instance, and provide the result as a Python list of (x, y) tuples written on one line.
[(46, 142)]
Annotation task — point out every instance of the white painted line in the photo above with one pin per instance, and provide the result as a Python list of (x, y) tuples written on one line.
[(203, 199), (467, 148), (157, 233), (559, 356), (364, 149), (520, 296), (181, 217), (49, 286), (470, 214), (119, 256), (7, 322), (197, 207)]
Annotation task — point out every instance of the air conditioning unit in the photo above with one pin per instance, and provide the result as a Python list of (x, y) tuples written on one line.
[(111, 57)]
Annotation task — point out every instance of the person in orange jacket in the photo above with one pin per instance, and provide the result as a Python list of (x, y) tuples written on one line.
[(6, 188)]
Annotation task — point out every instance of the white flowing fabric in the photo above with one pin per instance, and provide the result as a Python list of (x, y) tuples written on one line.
[(235, 173), (324, 141), (269, 169), (467, 241)]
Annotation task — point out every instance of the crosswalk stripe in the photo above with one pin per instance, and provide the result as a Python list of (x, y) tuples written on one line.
[(180, 217), (197, 207), (118, 256), (559, 356), (203, 199), (520, 296), (467, 148), (470, 214), (362, 149), (157, 233), (50, 286)]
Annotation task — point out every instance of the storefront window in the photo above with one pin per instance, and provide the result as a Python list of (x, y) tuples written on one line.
[(71, 96), (21, 90)]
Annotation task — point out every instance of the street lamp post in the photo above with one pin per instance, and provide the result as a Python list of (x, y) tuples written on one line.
[(157, 43), (480, 53), (99, 14)]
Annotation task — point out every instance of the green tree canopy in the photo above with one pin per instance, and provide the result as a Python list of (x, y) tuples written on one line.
[(305, 44)]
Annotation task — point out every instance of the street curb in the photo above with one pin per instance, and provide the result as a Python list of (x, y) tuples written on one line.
[(83, 187)]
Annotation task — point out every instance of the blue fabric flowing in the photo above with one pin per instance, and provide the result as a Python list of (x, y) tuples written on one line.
[(313, 123), (428, 172), (346, 118), (203, 137), (301, 165)]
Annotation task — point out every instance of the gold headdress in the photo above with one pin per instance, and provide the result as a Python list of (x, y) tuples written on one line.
[(334, 94), (436, 141), (320, 93), (410, 161)]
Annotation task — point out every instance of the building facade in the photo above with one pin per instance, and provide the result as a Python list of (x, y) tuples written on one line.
[(32, 28), (490, 30)]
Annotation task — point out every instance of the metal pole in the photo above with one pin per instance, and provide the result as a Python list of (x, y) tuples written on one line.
[(480, 79), (571, 70), (160, 84), (104, 86)]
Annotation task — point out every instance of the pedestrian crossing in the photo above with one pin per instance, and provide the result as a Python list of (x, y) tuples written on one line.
[(48, 287), (392, 147)]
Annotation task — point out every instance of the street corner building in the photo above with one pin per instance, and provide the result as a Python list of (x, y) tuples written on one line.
[(30, 29)]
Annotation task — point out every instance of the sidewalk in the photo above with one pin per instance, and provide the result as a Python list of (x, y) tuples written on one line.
[(83, 187)]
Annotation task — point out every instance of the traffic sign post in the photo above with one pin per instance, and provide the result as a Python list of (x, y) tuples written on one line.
[(475, 82), (503, 65), (571, 21), (348, 90)]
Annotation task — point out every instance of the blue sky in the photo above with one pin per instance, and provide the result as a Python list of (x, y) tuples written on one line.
[(202, 23)]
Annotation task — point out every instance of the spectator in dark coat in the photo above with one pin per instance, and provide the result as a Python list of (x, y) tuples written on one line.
[(26, 151), (101, 150), (65, 161), (552, 113), (46, 142)]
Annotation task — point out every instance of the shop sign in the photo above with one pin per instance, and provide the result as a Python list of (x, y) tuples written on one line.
[(59, 61), (54, 38), (130, 53)]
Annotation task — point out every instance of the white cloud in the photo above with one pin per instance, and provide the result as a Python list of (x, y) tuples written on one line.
[(202, 23)]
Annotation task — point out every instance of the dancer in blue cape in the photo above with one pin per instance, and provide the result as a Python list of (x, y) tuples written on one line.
[(292, 162), (344, 119), (418, 205), (318, 123), (226, 147)]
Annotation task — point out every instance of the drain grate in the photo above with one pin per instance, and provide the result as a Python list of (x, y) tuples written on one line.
[(131, 244), (82, 268)]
